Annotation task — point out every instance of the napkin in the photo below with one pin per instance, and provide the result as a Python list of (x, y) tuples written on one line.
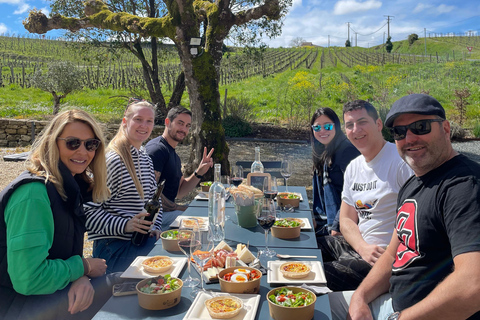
[(317, 289)]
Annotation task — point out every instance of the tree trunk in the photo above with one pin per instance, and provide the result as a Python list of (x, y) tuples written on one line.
[(56, 103)]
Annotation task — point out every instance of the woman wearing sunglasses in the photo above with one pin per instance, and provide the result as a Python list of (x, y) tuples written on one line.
[(131, 180), (42, 225), (332, 152)]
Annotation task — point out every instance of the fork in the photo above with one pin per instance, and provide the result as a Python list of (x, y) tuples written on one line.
[(287, 256)]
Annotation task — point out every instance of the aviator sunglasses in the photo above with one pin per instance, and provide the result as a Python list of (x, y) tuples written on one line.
[(418, 128), (326, 126), (75, 143)]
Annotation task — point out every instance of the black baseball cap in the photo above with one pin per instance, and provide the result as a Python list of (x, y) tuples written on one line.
[(415, 103)]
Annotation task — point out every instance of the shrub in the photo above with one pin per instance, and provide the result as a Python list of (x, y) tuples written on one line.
[(386, 132), (476, 130), (389, 45), (239, 108), (412, 38), (456, 131), (236, 127)]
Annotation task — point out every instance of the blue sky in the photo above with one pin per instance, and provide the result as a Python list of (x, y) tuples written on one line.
[(318, 20)]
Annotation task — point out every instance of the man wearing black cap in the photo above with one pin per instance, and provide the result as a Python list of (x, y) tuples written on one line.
[(430, 269)]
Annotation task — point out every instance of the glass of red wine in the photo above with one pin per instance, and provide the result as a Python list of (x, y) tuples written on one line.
[(266, 218), (236, 176), (189, 227), (270, 189)]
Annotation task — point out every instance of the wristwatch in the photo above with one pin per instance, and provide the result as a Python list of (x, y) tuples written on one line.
[(394, 316), (197, 175)]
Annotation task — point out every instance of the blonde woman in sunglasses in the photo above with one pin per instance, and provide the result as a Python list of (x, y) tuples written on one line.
[(332, 152), (131, 179), (42, 225)]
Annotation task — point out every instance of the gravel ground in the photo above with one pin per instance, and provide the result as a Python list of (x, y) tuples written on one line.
[(239, 150)]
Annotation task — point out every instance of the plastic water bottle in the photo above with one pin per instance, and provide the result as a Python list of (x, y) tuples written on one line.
[(257, 165), (216, 206)]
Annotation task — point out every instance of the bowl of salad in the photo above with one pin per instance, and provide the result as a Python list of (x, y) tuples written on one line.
[(288, 228), (170, 240), (159, 293), (287, 303), (205, 186), (288, 199), (240, 280)]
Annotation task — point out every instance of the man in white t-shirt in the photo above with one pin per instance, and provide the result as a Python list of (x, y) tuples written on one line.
[(369, 199)]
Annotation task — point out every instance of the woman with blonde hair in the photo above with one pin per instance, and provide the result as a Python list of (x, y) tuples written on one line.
[(131, 180), (42, 225)]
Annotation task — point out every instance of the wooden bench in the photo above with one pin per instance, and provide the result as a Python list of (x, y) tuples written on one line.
[(272, 167), (16, 157)]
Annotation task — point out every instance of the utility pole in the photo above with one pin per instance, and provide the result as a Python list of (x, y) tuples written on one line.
[(348, 24), (425, 36), (388, 23), (355, 39)]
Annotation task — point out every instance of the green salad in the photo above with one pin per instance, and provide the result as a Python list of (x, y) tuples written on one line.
[(287, 298), (161, 284), (287, 223), (206, 183), (170, 234)]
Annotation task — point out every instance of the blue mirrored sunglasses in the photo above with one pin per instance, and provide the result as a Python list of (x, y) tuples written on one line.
[(326, 126)]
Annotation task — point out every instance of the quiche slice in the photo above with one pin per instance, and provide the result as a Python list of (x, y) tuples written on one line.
[(157, 264), (295, 270), (224, 307)]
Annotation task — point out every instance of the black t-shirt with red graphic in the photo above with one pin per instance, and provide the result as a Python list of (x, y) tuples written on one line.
[(438, 218)]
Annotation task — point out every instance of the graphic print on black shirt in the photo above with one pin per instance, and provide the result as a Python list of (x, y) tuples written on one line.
[(406, 227)]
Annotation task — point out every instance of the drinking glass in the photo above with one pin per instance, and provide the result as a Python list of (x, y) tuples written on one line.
[(287, 170), (237, 175), (186, 232), (266, 218), (201, 251), (270, 189)]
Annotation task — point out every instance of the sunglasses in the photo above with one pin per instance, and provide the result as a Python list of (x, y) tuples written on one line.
[(326, 126), (75, 143), (418, 128)]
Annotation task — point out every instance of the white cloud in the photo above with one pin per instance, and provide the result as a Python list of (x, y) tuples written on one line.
[(296, 3), (46, 11), (351, 6), (3, 28), (420, 7), (22, 8), (443, 8)]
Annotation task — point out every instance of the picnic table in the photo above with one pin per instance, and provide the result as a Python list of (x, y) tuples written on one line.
[(127, 307)]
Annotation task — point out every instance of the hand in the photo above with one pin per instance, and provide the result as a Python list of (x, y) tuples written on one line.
[(80, 295), (335, 233), (155, 233), (371, 253), (98, 267), (207, 162), (359, 310), (138, 224)]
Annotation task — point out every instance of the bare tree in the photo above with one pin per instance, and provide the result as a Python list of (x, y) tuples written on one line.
[(297, 42), (182, 21)]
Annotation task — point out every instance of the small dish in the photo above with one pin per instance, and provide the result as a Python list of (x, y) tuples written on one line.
[(198, 310), (202, 196), (202, 221), (157, 264), (306, 223), (316, 275), (135, 270)]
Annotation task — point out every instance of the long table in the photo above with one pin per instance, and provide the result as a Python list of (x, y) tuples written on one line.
[(304, 205), (126, 307)]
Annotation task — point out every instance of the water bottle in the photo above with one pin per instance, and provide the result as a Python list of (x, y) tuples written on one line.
[(152, 206), (257, 165), (216, 206)]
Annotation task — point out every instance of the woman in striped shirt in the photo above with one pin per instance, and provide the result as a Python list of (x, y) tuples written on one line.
[(131, 180)]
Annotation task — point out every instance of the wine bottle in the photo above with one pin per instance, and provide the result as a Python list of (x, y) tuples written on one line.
[(216, 206), (152, 206), (257, 165)]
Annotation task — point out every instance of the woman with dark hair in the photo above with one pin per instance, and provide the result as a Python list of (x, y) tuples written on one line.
[(332, 152), (42, 225)]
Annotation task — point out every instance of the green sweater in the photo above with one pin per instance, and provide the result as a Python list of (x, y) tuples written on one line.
[(30, 229)]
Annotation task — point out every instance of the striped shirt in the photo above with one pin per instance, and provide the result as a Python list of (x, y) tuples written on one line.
[(108, 219)]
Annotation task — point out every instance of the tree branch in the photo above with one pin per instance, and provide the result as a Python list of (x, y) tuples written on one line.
[(270, 9)]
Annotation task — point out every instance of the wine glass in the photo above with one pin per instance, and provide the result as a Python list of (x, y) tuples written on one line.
[(237, 175), (201, 251), (270, 188), (186, 232), (266, 218), (287, 170)]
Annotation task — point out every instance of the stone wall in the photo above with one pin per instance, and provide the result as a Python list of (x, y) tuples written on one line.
[(21, 133)]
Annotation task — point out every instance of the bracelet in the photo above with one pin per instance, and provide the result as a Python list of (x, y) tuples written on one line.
[(197, 175), (86, 266)]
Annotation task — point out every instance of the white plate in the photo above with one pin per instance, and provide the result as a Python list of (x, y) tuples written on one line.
[(203, 221), (202, 196), (316, 275), (135, 270), (199, 311), (306, 222)]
